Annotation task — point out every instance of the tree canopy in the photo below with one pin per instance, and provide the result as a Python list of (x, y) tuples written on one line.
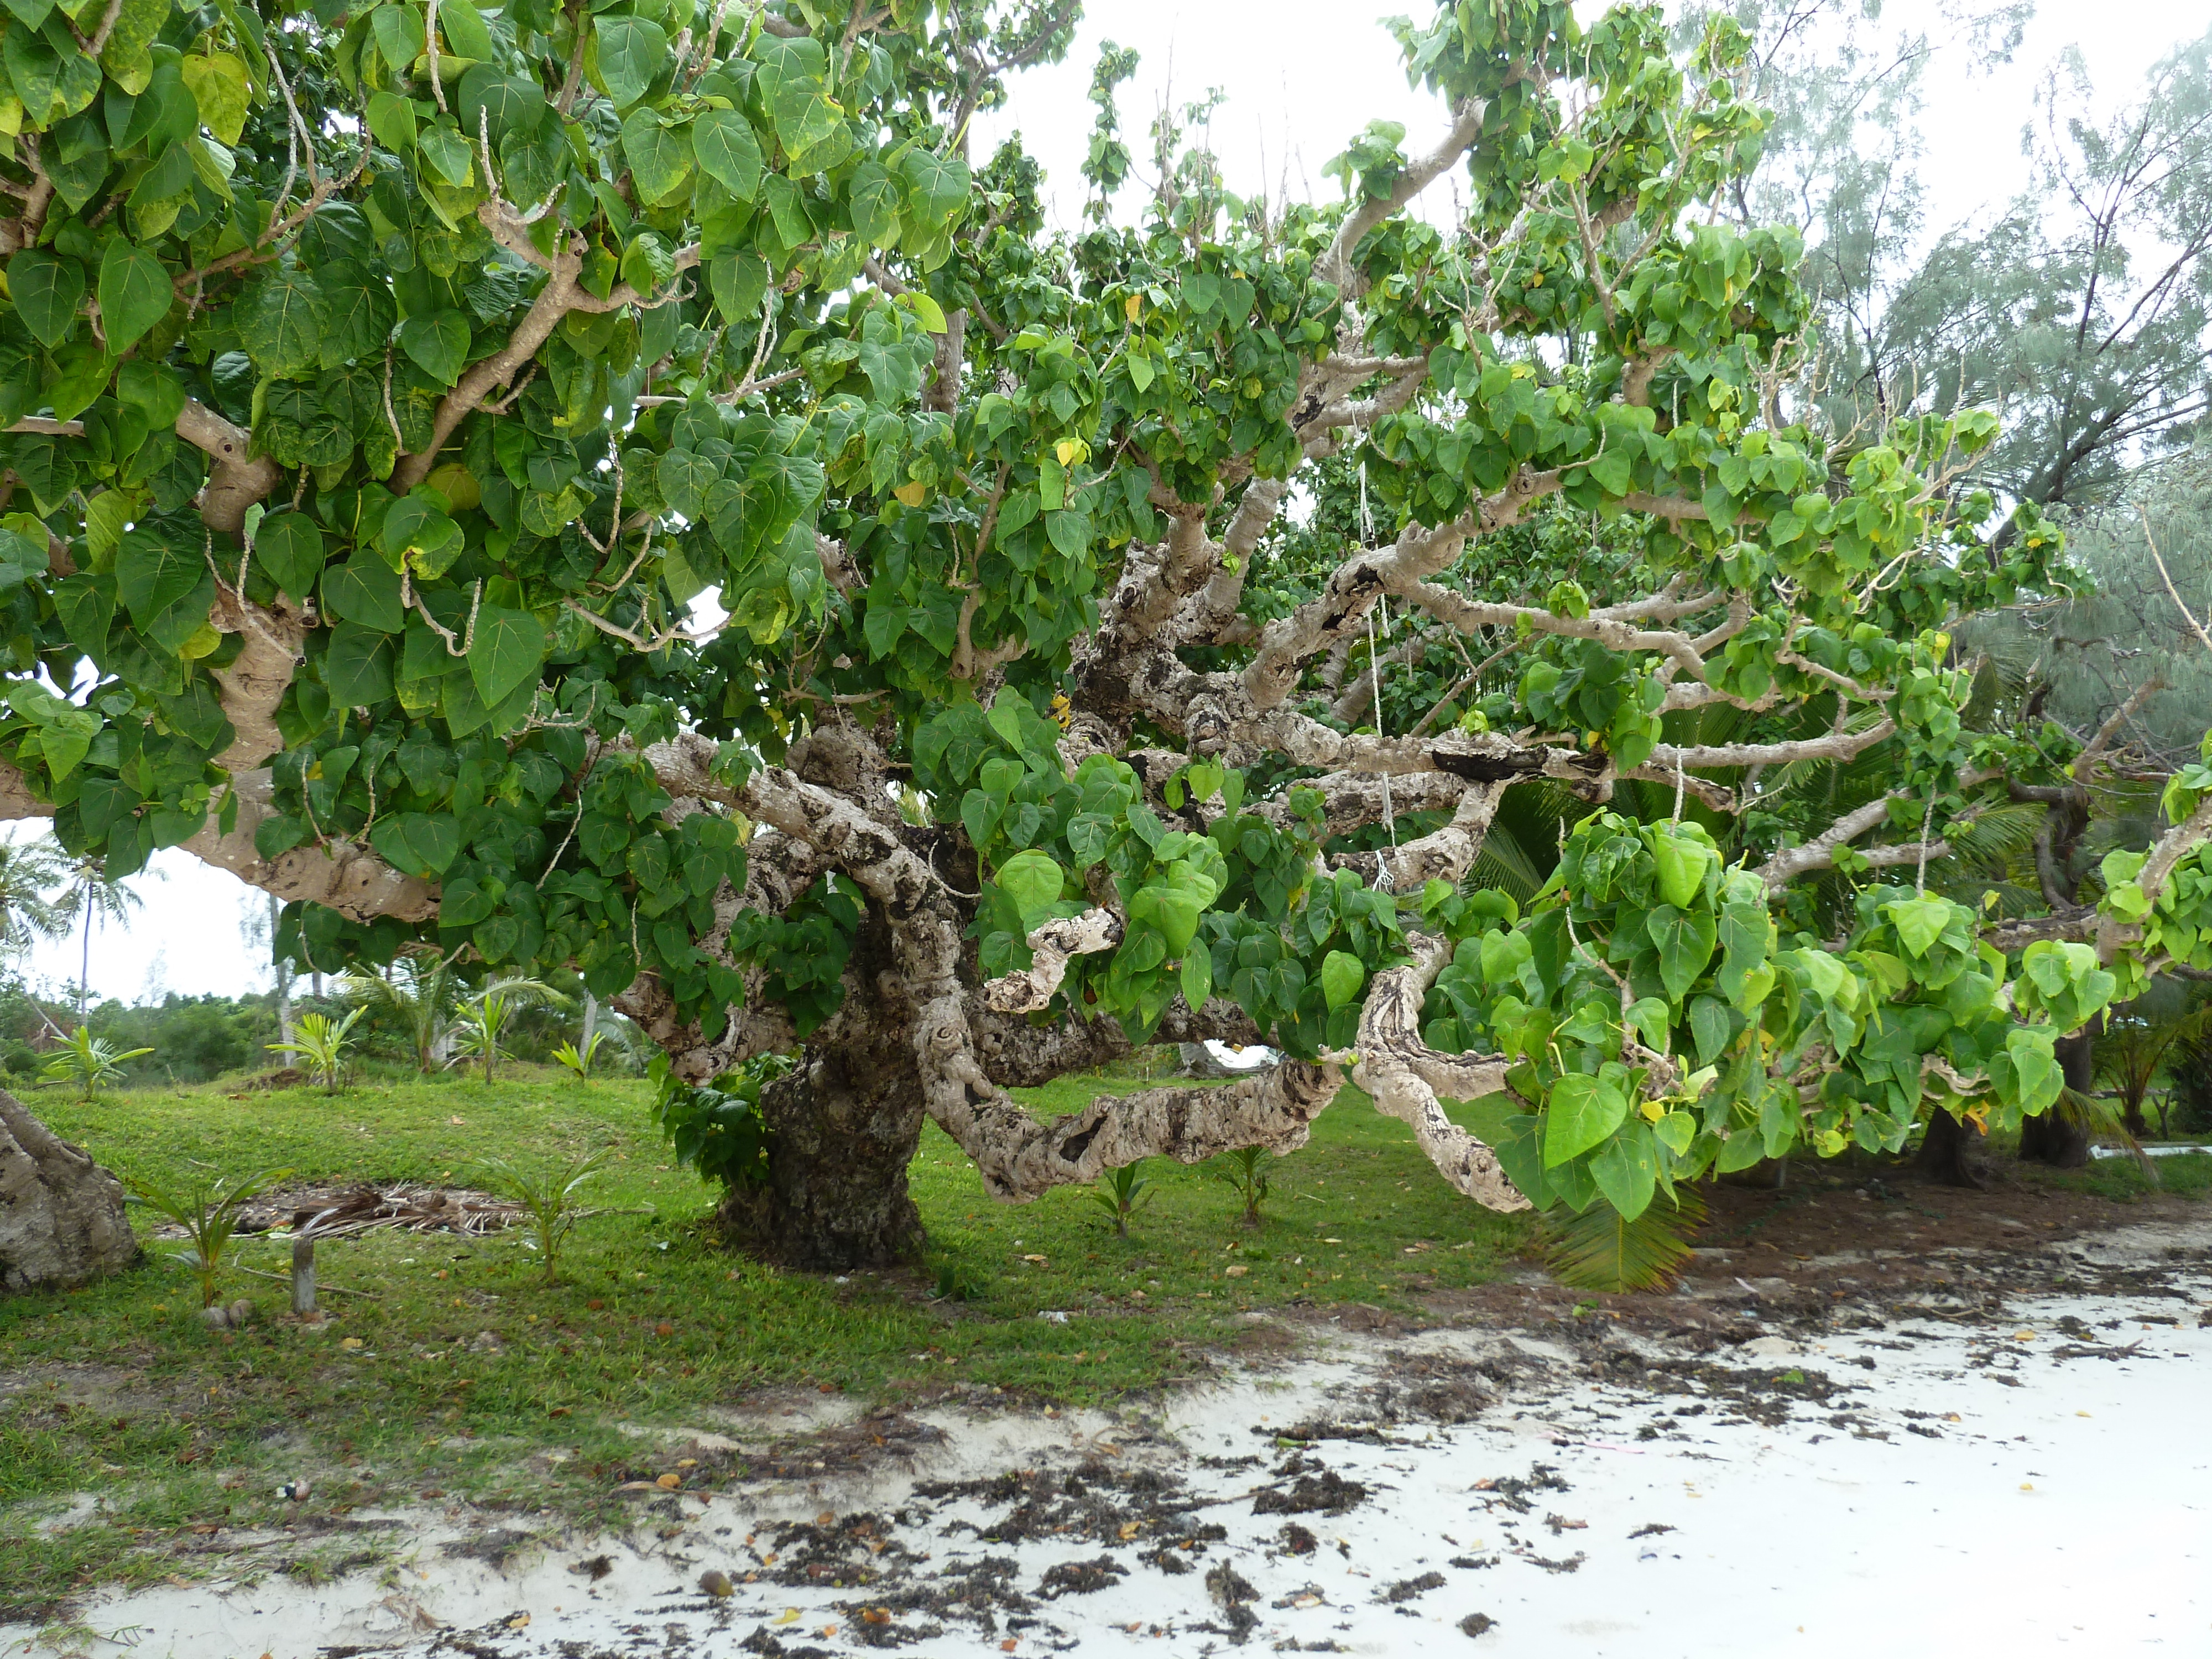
[(389, 384)]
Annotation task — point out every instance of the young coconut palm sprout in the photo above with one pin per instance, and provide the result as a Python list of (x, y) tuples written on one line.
[(1122, 1193), (577, 1061), (549, 1194), (1245, 1170), (418, 993), (319, 1043), (485, 1017), (207, 1210), (89, 1062)]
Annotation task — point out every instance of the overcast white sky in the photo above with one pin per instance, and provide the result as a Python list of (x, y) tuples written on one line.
[(1302, 76)]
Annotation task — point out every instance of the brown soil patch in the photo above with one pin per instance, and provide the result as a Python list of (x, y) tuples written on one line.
[(1827, 1239)]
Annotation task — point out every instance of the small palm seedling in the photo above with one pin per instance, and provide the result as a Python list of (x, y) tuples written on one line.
[(417, 994), (549, 1194), (209, 1212), (320, 1044), (89, 1063), (485, 1017), (1245, 1170), (578, 1060), (1122, 1193)]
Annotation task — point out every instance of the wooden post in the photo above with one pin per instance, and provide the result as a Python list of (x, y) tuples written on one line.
[(303, 1272)]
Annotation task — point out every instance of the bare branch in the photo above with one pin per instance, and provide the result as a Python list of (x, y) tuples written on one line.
[(1336, 265), (1054, 946)]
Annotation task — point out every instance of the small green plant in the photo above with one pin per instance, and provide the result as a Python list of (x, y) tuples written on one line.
[(1245, 1170), (717, 1129), (955, 1283), (88, 1062), (578, 1060), (486, 1016), (1122, 1193), (550, 1196), (320, 1043), (209, 1212)]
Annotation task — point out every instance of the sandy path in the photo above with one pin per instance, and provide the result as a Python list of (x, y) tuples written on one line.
[(2029, 1480)]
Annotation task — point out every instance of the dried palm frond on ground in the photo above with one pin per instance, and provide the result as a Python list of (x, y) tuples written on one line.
[(338, 1212)]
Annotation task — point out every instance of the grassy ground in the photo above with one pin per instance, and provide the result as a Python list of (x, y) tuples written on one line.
[(120, 1390), (185, 1433)]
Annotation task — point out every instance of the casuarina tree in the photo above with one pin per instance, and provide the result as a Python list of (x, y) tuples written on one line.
[(393, 387)]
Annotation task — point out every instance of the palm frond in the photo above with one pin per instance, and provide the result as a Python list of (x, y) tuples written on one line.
[(1994, 838), (2093, 1118), (1601, 1250)]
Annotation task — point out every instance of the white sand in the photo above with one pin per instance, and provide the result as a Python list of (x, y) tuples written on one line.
[(2070, 1514)]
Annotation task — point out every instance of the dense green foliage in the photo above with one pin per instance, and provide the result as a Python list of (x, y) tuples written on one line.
[(543, 323)]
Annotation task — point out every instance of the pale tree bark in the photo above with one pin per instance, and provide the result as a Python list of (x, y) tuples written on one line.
[(1405, 1077), (62, 1219)]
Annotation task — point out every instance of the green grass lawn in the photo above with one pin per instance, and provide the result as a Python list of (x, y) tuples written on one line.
[(175, 1425)]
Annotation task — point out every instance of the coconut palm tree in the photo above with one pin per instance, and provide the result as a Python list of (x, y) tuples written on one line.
[(30, 870), (92, 895)]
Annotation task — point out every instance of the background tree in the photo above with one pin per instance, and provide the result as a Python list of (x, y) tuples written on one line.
[(94, 898), (31, 869), (2079, 308), (377, 466)]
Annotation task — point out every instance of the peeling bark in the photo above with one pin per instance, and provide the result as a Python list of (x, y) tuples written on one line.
[(1054, 946), (1404, 1076)]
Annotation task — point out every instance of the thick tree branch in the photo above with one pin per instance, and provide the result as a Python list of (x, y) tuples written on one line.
[(253, 684), (1054, 946), (239, 477), (1336, 265), (1444, 854), (1405, 1076)]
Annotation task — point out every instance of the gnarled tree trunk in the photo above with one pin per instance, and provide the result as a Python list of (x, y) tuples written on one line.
[(2062, 1140), (1947, 1155), (62, 1222), (841, 1130)]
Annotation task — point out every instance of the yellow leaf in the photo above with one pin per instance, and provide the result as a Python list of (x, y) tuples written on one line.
[(218, 86), (788, 1616), (912, 493), (457, 485), (1136, 307), (1070, 451)]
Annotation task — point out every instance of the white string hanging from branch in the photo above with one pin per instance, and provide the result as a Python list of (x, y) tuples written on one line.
[(1375, 683), (1927, 822), (1383, 878)]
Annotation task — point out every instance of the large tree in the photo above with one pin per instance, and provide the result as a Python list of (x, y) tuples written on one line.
[(389, 386)]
